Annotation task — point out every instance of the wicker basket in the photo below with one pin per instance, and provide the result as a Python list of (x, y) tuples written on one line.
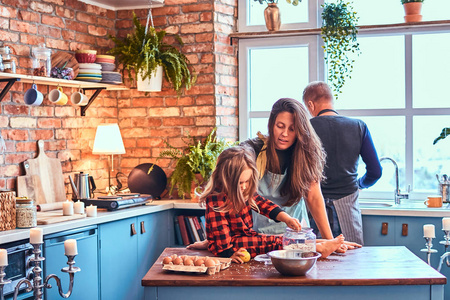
[(7, 210)]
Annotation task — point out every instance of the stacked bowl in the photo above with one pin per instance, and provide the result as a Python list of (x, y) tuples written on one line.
[(108, 67), (89, 72), (86, 56)]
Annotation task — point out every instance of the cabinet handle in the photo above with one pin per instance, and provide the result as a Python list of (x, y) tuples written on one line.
[(142, 227), (133, 229), (405, 229), (384, 228)]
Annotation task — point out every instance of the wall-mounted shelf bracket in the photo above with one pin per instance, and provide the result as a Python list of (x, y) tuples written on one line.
[(7, 86), (96, 93)]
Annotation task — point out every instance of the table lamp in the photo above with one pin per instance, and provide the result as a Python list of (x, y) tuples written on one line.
[(108, 140)]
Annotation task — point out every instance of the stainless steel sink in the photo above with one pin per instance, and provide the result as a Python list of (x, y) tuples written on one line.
[(374, 204)]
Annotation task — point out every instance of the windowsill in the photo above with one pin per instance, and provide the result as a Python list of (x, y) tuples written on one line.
[(398, 27)]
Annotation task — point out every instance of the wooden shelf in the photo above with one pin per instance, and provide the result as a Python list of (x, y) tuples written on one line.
[(413, 27), (11, 78)]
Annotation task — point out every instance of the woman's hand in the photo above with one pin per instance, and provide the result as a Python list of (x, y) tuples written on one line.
[(352, 245)]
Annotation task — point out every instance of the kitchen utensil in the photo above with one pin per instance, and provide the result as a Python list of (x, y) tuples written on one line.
[(293, 262), (50, 173), (30, 186), (141, 181), (83, 187), (60, 58)]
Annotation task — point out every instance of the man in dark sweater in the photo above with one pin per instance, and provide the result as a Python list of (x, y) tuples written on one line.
[(344, 140)]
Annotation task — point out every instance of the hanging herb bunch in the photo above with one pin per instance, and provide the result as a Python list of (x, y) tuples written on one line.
[(293, 2), (339, 30)]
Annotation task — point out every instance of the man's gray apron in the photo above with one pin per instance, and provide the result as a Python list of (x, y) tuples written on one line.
[(269, 187), (350, 219)]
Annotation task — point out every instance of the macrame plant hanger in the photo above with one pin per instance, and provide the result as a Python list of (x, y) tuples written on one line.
[(149, 18)]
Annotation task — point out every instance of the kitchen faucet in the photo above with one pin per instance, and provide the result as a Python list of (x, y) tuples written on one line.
[(397, 195)]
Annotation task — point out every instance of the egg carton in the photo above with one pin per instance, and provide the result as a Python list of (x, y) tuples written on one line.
[(224, 264)]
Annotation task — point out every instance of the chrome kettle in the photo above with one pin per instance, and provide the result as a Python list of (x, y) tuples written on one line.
[(83, 187)]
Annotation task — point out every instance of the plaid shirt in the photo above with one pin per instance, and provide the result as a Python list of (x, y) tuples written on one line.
[(227, 232)]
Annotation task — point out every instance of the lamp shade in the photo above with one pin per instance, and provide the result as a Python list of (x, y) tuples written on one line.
[(108, 140)]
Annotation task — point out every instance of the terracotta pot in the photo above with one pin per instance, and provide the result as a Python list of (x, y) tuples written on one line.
[(272, 17), (412, 11)]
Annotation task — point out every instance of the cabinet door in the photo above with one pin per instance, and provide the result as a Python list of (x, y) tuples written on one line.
[(86, 282), (152, 242), (378, 230), (118, 260)]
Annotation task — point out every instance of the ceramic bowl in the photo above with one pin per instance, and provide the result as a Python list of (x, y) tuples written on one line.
[(85, 57), (293, 262)]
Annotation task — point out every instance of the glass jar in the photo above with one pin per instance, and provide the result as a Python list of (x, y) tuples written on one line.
[(42, 62), (25, 213), (304, 240)]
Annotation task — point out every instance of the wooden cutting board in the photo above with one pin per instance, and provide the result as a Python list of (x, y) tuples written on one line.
[(30, 186), (49, 171), (60, 58), (50, 217)]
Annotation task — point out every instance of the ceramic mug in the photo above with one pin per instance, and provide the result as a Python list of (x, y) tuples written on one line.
[(433, 201), (57, 96), (79, 98), (33, 96)]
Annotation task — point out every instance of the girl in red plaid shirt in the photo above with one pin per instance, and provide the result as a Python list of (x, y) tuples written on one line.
[(230, 196)]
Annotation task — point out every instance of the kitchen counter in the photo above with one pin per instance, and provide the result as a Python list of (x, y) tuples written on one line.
[(373, 271), (368, 207)]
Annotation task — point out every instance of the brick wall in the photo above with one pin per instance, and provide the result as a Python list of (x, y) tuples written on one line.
[(146, 120)]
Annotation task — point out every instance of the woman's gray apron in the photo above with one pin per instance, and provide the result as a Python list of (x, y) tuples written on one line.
[(350, 219), (269, 187)]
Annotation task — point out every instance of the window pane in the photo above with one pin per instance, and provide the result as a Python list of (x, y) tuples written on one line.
[(430, 159), (388, 134), (259, 124), (378, 78), (288, 13), (276, 73), (384, 12), (430, 70)]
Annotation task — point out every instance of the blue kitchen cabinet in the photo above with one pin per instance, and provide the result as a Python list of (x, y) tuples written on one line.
[(379, 230), (86, 282), (128, 248)]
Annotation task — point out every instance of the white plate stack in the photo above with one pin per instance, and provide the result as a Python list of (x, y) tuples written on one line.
[(89, 72), (108, 67)]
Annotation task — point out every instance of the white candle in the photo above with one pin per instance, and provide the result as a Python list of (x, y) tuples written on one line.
[(36, 236), (446, 223), (70, 247), (428, 231), (78, 207), (91, 211), (3, 258), (68, 208)]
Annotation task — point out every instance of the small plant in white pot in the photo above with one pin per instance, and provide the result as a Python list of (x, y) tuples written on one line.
[(144, 54)]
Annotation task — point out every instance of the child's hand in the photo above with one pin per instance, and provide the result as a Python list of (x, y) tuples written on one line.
[(240, 256), (294, 224)]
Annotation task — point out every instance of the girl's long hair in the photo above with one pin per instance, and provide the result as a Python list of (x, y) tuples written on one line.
[(225, 179), (308, 157)]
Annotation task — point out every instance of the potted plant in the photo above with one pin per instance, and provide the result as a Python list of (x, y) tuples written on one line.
[(143, 52), (413, 9), (195, 163), (272, 13), (444, 133), (339, 30)]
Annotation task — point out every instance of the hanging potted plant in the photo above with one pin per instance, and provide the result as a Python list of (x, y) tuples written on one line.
[(272, 13), (195, 163), (413, 10), (339, 30), (144, 54)]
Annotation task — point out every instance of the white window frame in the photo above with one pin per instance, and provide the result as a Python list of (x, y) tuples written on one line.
[(243, 16), (312, 42)]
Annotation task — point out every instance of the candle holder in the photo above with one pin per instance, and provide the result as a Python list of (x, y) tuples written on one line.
[(428, 249), (37, 285)]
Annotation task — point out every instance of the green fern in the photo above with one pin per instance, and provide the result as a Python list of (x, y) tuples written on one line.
[(197, 158), (142, 53)]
